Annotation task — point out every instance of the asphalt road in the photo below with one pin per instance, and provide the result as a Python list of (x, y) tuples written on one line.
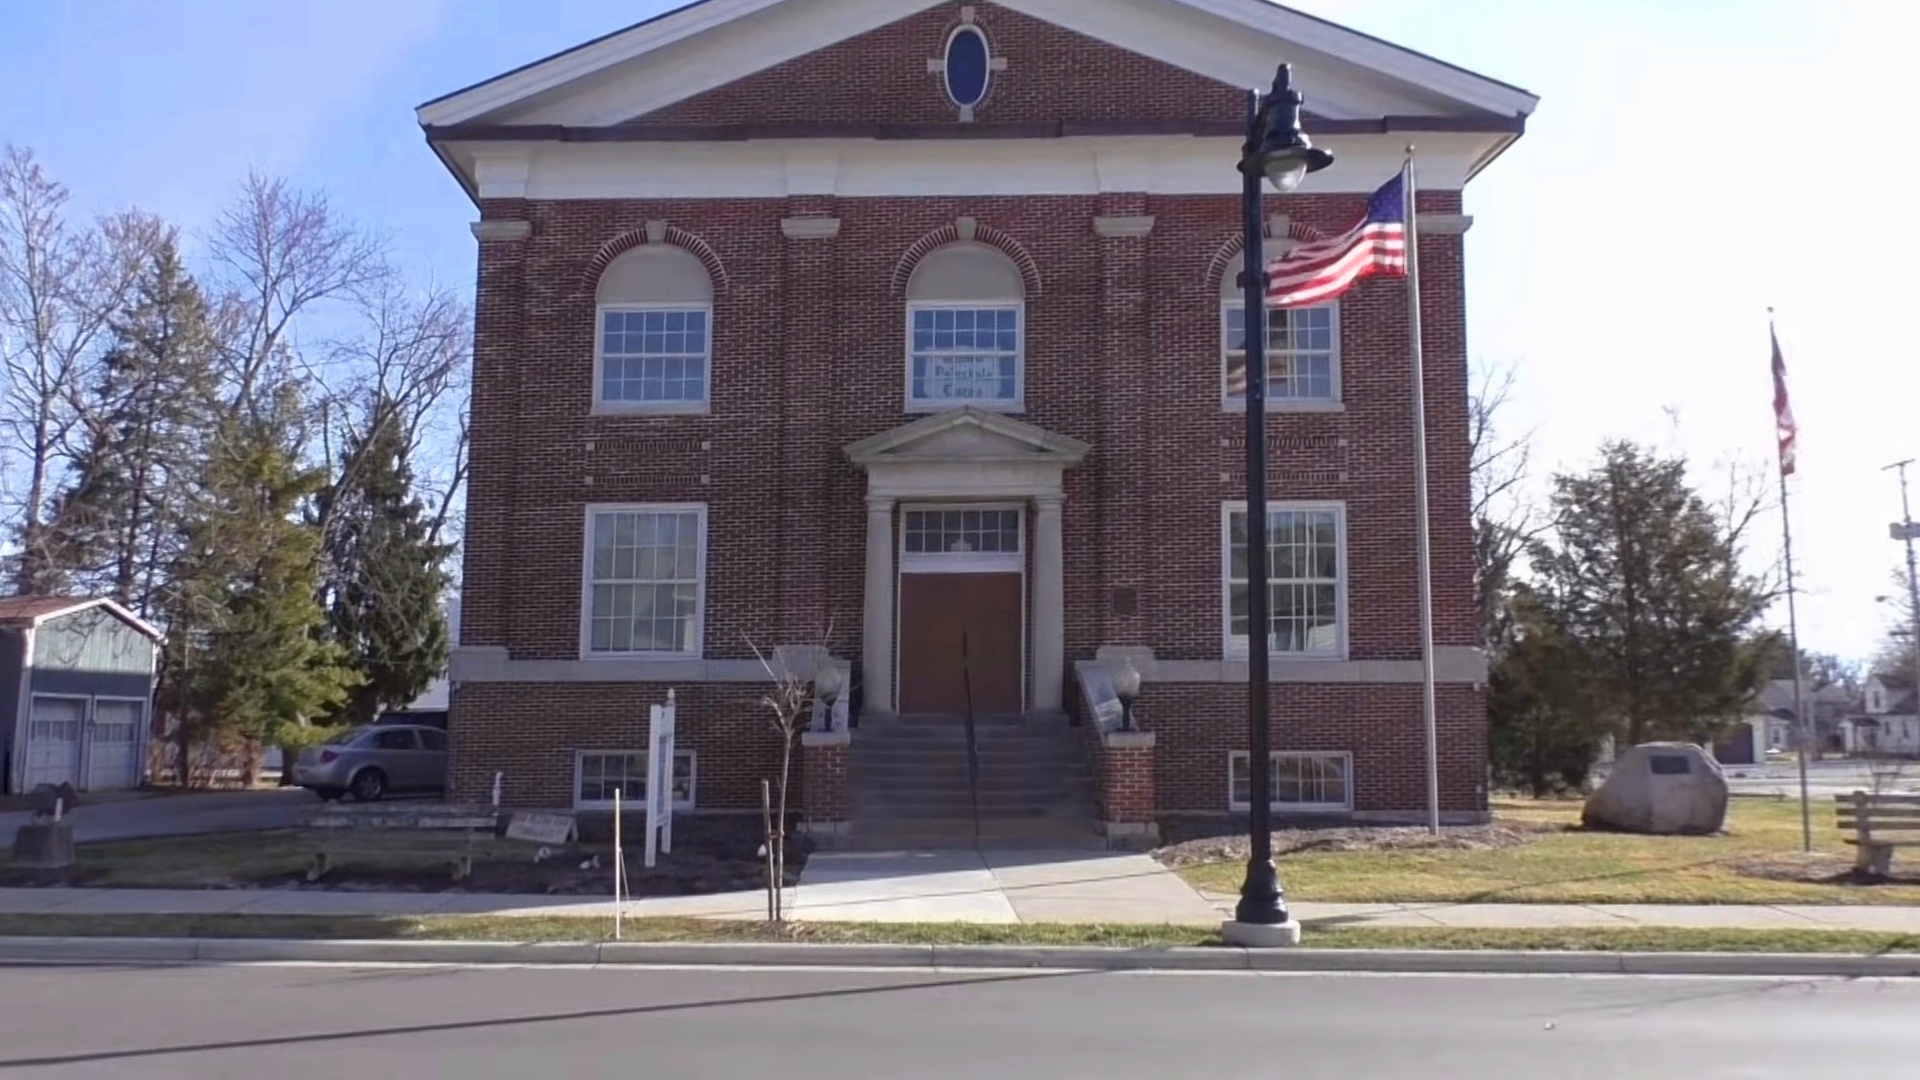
[(177, 815), (292, 1022), (1825, 779)]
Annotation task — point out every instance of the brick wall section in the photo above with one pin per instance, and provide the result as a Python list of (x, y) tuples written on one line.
[(881, 77), (1125, 783), (824, 781), (532, 732), (1123, 351)]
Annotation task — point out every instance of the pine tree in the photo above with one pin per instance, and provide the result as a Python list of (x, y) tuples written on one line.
[(385, 573), (252, 655), (145, 422), (1645, 583)]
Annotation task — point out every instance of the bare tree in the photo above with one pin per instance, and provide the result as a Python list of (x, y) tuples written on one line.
[(282, 253), (60, 285), (1506, 523), (790, 700)]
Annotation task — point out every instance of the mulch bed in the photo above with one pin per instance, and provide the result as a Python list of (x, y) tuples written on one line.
[(1195, 841), (710, 855)]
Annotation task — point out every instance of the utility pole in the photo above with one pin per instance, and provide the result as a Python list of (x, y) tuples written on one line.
[(1904, 530)]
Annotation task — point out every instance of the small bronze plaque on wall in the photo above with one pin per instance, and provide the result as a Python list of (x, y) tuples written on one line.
[(1126, 601)]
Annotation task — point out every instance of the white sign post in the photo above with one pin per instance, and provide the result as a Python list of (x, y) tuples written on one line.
[(660, 781)]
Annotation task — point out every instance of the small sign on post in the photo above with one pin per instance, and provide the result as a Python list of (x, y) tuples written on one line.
[(660, 781), (540, 828)]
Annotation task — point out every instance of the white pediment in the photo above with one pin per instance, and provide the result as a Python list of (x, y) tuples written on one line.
[(967, 436), (710, 44)]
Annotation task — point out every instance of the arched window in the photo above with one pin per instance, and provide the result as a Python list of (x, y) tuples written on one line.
[(655, 338), (966, 309), (1303, 352)]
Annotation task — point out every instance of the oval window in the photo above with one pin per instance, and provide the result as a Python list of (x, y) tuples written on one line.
[(968, 65)]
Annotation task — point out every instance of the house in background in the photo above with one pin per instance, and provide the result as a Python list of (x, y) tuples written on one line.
[(920, 321), (1888, 722), (1773, 724), (76, 688)]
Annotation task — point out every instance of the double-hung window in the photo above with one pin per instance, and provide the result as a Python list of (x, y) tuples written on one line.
[(654, 356), (966, 309), (1303, 356), (1306, 579), (599, 774), (653, 334), (645, 581)]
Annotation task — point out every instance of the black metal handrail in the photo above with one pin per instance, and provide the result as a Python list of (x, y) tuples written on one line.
[(973, 742)]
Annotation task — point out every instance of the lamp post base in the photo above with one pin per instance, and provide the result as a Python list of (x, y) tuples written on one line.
[(1261, 935)]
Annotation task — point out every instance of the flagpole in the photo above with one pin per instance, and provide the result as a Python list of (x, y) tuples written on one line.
[(1423, 529), (1793, 620)]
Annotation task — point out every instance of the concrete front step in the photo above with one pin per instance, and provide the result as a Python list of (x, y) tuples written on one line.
[(990, 783)]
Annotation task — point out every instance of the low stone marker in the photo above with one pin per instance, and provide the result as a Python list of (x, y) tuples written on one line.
[(46, 842)]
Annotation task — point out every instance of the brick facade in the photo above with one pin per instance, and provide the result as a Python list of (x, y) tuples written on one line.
[(1123, 351)]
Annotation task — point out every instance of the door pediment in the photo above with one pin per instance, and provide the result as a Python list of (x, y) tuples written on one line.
[(967, 436)]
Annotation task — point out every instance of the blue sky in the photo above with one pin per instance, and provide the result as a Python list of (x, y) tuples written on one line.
[(1692, 164)]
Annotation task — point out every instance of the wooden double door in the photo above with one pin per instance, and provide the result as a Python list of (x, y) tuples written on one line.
[(961, 633)]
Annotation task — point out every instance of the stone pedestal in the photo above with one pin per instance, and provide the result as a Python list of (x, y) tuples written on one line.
[(1123, 777), (1261, 935), (43, 845), (823, 781)]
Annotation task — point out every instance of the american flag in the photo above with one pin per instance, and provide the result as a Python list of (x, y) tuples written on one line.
[(1783, 426), (1319, 270)]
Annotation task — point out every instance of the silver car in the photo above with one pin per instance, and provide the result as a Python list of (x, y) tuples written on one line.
[(370, 762)]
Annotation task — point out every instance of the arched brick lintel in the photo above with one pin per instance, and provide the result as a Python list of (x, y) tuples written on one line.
[(673, 236), (982, 234)]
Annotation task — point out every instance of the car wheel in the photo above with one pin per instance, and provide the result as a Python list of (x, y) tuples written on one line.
[(369, 785)]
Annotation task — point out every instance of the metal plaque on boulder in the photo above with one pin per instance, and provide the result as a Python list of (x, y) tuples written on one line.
[(541, 828)]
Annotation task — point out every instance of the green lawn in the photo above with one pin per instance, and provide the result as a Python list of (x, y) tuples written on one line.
[(1567, 864), (516, 929)]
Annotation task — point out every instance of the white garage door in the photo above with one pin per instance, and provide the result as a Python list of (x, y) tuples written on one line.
[(53, 741), (112, 741)]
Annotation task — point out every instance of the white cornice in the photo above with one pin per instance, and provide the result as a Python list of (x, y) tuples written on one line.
[(1163, 165), (1445, 224)]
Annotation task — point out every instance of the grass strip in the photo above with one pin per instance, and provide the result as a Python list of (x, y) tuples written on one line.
[(574, 929)]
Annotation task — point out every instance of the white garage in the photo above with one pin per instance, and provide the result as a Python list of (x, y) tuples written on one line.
[(76, 693)]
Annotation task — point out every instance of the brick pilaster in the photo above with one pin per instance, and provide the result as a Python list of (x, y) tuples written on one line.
[(823, 780), (1124, 791)]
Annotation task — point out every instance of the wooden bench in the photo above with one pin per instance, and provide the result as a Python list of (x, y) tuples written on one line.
[(342, 824), (1880, 823)]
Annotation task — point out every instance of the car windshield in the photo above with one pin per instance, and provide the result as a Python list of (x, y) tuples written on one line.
[(345, 737)]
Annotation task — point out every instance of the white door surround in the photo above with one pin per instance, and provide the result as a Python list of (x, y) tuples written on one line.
[(973, 456)]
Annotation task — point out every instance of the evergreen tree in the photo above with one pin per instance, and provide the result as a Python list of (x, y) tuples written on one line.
[(252, 655), (1645, 583), (145, 422), (1539, 737), (386, 575)]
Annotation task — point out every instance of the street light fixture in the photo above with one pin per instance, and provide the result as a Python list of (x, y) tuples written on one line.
[(1278, 152), (1126, 687), (827, 684)]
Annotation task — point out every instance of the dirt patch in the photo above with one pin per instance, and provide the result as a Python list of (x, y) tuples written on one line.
[(1192, 842), (1819, 870)]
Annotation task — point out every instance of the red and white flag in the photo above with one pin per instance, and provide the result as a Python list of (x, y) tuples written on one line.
[(1783, 426), (1319, 270)]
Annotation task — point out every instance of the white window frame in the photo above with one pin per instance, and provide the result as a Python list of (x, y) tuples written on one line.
[(1336, 403), (586, 581), (601, 406), (693, 779), (1243, 805), (1019, 401), (1234, 651)]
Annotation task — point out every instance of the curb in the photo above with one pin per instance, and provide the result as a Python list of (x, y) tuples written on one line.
[(106, 950)]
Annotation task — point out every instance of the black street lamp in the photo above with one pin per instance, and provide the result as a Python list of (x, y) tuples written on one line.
[(1276, 151)]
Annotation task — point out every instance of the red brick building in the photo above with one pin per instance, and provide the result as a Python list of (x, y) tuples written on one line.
[(896, 325)]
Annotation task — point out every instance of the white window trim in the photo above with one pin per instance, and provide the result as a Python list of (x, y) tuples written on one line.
[(693, 779), (1019, 402), (946, 77), (1292, 808), (1338, 403), (586, 581), (976, 562), (603, 407), (1232, 651)]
